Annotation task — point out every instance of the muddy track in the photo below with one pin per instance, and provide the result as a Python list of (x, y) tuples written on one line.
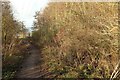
[(31, 65)]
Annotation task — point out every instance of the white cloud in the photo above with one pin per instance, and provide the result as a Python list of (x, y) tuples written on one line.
[(25, 9)]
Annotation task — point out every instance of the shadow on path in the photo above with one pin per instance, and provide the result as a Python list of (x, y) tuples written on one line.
[(31, 65)]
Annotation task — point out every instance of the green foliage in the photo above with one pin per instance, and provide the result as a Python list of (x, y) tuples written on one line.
[(12, 63), (10, 66)]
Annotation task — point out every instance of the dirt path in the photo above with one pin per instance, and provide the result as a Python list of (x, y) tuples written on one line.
[(31, 65)]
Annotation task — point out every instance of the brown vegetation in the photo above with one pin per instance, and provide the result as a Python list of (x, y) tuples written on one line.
[(79, 39)]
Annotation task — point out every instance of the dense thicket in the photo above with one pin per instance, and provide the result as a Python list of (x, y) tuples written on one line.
[(11, 27), (79, 39), (12, 49)]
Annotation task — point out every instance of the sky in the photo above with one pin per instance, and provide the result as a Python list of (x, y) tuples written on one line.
[(24, 10)]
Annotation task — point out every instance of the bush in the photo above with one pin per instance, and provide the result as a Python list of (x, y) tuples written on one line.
[(76, 34)]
